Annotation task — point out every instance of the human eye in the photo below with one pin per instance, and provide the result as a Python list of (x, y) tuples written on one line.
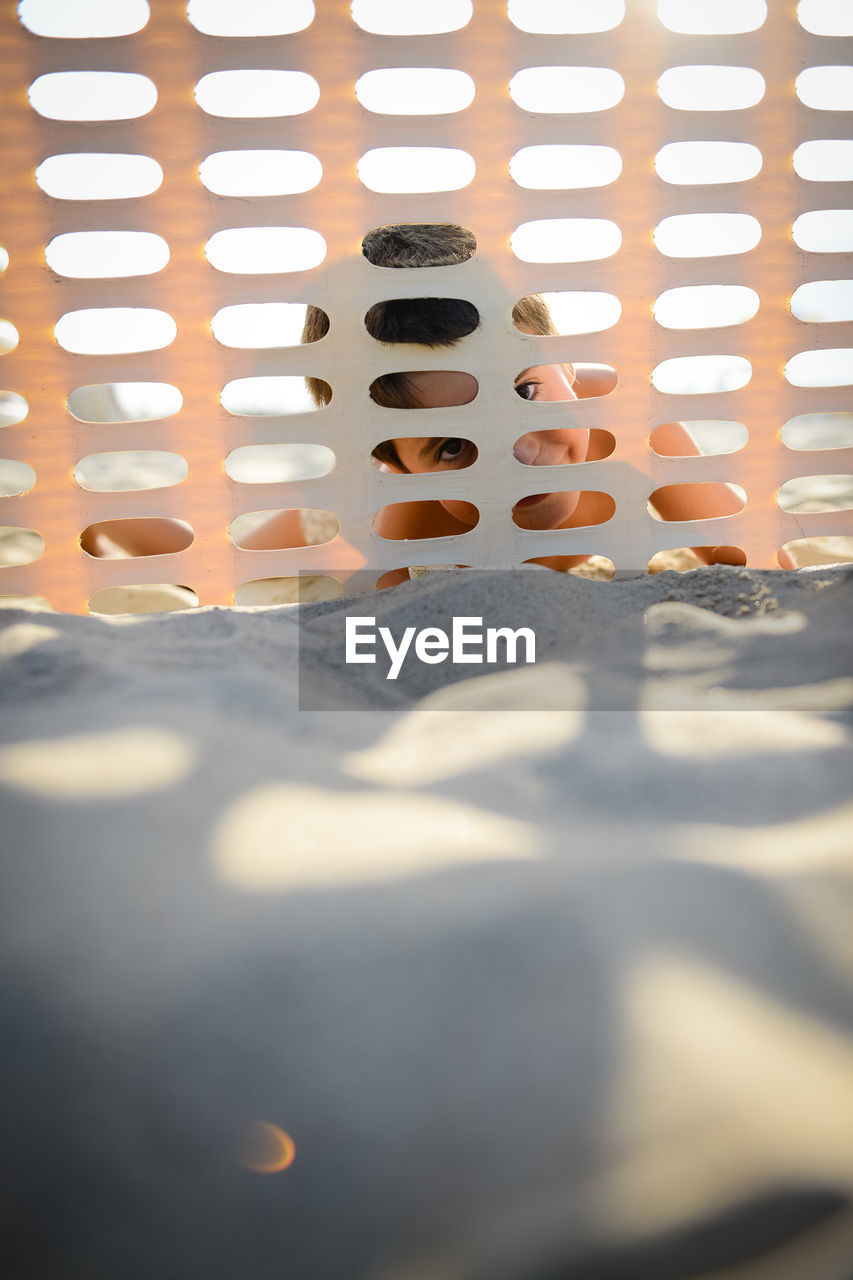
[(450, 450), (527, 389)]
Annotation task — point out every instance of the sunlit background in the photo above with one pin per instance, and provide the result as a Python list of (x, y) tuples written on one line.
[(103, 95)]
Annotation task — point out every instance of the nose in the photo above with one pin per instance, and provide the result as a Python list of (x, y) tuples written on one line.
[(526, 449), (542, 448)]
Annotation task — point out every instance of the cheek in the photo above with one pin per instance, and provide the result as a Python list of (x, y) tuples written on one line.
[(569, 503), (464, 511), (578, 443), (559, 509), (555, 510)]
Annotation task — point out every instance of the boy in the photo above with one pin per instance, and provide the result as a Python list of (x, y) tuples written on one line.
[(437, 322), (440, 322)]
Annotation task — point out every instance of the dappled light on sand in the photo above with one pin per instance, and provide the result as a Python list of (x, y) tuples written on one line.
[(701, 1044), (98, 766), (23, 636), (813, 843), (286, 838), (694, 734), (267, 1148), (441, 739), (690, 660)]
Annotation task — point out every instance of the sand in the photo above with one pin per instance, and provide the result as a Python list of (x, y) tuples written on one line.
[(543, 973)]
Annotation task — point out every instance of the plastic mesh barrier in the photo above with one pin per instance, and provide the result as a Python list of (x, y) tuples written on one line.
[(178, 134)]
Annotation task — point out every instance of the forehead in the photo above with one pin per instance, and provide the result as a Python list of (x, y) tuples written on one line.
[(441, 388)]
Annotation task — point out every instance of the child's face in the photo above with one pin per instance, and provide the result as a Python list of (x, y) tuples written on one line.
[(556, 447)]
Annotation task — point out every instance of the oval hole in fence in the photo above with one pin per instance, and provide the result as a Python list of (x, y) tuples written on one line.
[(712, 437), (706, 306), (279, 530), (824, 231), (19, 546), (138, 597), (130, 470), (27, 601), (264, 250), (405, 573), (401, 245), (818, 431), (830, 367), (415, 18), (397, 170), (426, 453), (709, 163), (574, 312), (270, 396), (13, 408), (566, 90), (92, 255), (564, 167), (408, 512), (701, 375), (250, 17), (424, 389), (16, 478), (823, 301), (825, 17), (92, 95), (822, 550), (9, 337), (262, 325), (685, 559), (816, 493), (124, 401), (261, 94), (562, 447), (594, 567), (548, 511), (571, 17), (825, 160), (566, 240), (92, 20), (554, 382), (137, 536), (4, 260), (826, 88), (432, 322), (415, 91), (307, 588), (260, 173), (94, 176), (707, 235), (707, 88), (728, 499), (712, 17), (115, 330), (279, 463)]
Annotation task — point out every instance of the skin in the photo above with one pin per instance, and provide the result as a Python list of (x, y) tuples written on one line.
[(555, 447), (436, 389), (432, 519)]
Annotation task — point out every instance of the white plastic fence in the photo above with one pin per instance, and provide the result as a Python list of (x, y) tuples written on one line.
[(491, 49)]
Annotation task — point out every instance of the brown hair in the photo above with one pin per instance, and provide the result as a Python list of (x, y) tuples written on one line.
[(424, 244), (432, 322)]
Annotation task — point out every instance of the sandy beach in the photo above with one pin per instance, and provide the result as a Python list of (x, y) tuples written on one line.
[(531, 964), (540, 973)]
